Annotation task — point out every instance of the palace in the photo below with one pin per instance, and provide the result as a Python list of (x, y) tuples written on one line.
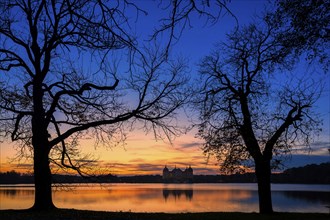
[(177, 175)]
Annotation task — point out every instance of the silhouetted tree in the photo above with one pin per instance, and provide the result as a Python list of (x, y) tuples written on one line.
[(252, 110), (304, 24), (58, 84)]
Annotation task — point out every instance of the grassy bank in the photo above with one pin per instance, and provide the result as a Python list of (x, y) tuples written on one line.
[(72, 214)]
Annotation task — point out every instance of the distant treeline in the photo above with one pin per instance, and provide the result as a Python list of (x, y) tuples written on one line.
[(310, 174)]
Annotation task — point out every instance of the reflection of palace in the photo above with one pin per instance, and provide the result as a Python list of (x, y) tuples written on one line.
[(177, 175), (176, 193)]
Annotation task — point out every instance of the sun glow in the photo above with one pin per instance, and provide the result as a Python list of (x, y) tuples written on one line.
[(141, 154)]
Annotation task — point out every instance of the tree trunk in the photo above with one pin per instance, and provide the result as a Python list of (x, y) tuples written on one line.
[(41, 148), (263, 173), (42, 178)]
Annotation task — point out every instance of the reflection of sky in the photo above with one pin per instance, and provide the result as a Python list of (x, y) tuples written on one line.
[(16, 198), (300, 201), (176, 197)]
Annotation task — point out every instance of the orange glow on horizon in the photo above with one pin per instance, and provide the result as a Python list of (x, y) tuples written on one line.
[(140, 155)]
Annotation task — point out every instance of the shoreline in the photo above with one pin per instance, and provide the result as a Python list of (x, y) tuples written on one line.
[(65, 214), (145, 183)]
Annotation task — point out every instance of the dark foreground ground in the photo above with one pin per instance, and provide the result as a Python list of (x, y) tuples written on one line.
[(72, 214)]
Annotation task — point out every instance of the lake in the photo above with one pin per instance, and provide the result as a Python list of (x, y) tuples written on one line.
[(172, 197)]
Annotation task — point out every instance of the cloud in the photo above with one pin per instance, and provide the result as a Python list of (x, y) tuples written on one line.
[(206, 171), (316, 148), (23, 165), (137, 160), (87, 161), (191, 145), (321, 144), (322, 147), (114, 164), (148, 167), (298, 160)]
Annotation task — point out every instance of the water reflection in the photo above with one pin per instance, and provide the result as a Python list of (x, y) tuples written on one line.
[(176, 193), (174, 197), (312, 197), (16, 193), (16, 197)]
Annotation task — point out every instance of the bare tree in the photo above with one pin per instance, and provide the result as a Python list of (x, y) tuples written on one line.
[(306, 25), (252, 108), (58, 84)]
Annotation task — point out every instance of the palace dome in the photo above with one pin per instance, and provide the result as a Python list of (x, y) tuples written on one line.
[(165, 169)]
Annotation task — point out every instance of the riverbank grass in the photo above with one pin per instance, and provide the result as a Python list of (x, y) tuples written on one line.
[(72, 214)]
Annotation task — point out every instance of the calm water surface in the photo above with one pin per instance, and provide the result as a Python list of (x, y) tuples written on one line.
[(172, 197)]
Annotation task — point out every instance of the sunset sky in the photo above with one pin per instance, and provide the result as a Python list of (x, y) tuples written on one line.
[(142, 154)]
